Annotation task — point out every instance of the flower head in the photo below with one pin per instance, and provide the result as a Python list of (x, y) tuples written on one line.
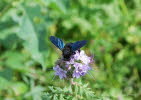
[(77, 66)]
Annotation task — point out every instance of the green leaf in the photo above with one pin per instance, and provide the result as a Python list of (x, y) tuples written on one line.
[(19, 88), (6, 73), (4, 84), (31, 43), (15, 61), (36, 92)]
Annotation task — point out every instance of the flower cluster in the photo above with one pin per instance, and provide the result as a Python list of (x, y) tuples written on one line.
[(77, 66)]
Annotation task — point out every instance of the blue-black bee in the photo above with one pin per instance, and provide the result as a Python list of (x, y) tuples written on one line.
[(68, 49)]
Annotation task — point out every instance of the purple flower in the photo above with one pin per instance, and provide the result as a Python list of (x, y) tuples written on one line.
[(77, 66), (77, 55), (71, 61), (80, 70), (60, 72)]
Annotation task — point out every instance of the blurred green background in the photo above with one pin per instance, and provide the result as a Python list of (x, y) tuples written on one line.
[(113, 31)]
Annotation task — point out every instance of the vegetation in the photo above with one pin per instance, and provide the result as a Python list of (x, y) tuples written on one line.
[(113, 31)]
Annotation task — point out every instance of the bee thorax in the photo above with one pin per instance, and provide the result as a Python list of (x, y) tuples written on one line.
[(67, 52)]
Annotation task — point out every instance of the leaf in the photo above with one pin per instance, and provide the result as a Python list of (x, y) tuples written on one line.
[(4, 84), (35, 92), (19, 88), (55, 97), (28, 34), (60, 5), (61, 97), (6, 73), (14, 60), (46, 96)]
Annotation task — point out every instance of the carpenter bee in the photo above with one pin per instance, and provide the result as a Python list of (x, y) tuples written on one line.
[(69, 49)]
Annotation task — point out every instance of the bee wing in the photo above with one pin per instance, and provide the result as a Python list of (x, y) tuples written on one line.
[(57, 42), (77, 45)]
